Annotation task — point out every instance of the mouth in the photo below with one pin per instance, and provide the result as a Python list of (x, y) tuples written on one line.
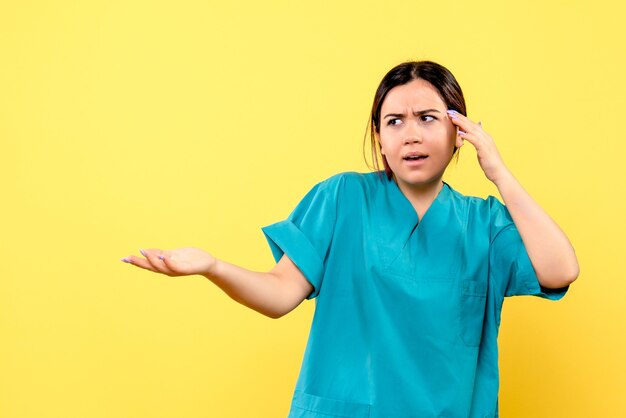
[(414, 156)]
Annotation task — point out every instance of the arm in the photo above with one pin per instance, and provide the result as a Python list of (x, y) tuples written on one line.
[(549, 249), (273, 294)]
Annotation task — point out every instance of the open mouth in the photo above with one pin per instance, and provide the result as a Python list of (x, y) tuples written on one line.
[(414, 156)]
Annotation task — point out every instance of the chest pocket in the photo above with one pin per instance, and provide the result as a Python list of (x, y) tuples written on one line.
[(473, 305), (305, 405)]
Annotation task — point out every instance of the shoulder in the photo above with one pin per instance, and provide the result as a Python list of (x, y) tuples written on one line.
[(489, 204), (472, 203), (489, 210), (351, 183)]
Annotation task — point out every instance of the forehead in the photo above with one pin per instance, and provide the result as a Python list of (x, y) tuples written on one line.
[(416, 94)]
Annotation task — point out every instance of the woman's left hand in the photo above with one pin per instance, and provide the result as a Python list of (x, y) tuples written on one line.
[(488, 156)]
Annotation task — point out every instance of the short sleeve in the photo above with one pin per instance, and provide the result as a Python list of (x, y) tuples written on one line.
[(509, 264), (305, 236)]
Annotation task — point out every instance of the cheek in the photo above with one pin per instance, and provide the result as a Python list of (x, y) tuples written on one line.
[(449, 132), (386, 143), (443, 137)]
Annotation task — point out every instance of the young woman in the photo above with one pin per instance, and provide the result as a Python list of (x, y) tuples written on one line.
[(409, 274)]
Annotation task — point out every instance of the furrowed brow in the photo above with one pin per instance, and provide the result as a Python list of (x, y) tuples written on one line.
[(421, 112), (418, 113)]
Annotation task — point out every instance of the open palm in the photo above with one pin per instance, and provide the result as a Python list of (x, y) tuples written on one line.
[(177, 262)]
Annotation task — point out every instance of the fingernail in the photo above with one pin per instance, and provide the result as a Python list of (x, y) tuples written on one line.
[(126, 260), (462, 132), (452, 113), (161, 257), (142, 253)]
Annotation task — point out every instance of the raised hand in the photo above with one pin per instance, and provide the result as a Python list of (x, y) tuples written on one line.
[(178, 262), (488, 156)]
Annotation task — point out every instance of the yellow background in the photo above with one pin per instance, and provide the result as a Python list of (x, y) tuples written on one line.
[(138, 124)]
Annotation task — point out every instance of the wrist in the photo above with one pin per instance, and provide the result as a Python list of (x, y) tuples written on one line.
[(213, 269), (502, 177)]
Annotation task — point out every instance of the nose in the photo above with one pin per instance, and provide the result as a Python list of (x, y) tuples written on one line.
[(413, 139), (413, 134)]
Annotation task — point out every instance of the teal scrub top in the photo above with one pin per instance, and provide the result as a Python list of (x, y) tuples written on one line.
[(407, 310)]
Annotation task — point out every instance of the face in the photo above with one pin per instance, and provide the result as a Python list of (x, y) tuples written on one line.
[(416, 136)]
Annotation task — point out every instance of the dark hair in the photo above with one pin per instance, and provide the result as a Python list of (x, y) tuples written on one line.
[(437, 75)]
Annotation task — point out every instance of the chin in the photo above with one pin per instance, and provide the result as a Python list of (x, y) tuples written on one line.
[(418, 179), (419, 182)]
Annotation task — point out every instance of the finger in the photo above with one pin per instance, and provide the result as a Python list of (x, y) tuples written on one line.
[(467, 137), (168, 261), (454, 115), (149, 258), (463, 122), (471, 132), (152, 255), (139, 262)]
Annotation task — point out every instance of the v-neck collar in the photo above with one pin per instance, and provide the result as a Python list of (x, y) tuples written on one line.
[(396, 220), (405, 206)]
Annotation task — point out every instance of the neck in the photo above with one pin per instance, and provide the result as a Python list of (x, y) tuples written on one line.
[(420, 196)]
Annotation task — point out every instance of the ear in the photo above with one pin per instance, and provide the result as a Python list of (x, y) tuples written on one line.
[(459, 141)]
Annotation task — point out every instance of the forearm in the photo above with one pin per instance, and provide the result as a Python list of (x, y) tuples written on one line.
[(552, 255), (273, 294), (263, 292), (548, 248)]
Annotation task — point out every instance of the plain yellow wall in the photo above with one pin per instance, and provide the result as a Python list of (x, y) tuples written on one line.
[(138, 124)]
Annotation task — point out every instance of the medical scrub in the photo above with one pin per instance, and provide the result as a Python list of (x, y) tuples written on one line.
[(407, 310)]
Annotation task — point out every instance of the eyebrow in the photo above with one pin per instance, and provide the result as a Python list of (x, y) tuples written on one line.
[(418, 113)]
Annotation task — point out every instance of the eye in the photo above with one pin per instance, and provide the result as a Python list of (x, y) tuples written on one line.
[(392, 121), (424, 118)]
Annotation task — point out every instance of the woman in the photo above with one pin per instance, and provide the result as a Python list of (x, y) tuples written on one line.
[(409, 274)]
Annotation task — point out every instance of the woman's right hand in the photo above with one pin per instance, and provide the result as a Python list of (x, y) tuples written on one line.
[(178, 262)]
